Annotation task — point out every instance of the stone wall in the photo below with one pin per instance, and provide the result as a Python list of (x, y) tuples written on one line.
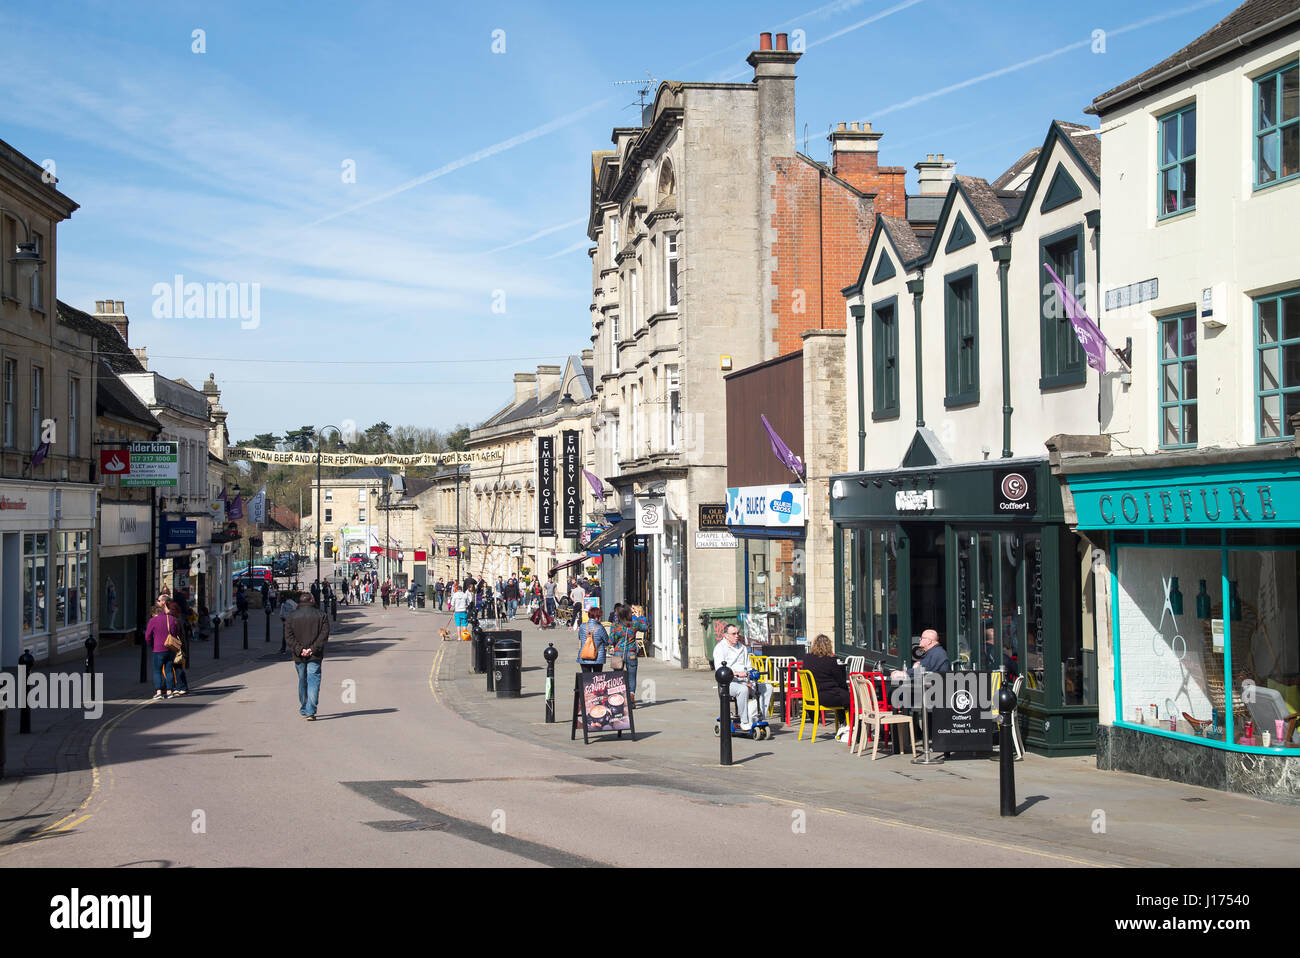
[(824, 400)]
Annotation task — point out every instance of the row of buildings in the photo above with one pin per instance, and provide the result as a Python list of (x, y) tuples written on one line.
[(85, 539), (815, 402)]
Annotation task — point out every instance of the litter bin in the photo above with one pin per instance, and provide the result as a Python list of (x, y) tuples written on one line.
[(713, 620), (419, 599), (479, 651), (507, 662)]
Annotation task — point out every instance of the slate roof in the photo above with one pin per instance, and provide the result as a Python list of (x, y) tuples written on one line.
[(416, 485), (112, 397), (369, 472), (983, 200), (108, 341), (1017, 169), (904, 238), (1248, 17)]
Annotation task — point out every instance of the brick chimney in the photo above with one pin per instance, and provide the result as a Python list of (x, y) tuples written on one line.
[(774, 75), (854, 158), (548, 381), (525, 387), (113, 312), (934, 175)]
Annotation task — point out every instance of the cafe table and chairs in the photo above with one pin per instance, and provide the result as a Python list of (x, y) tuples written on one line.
[(859, 703), (876, 717), (812, 703)]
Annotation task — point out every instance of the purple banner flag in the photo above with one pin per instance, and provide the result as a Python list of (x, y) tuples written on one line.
[(781, 450), (1090, 336), (235, 510), (597, 486), (39, 455)]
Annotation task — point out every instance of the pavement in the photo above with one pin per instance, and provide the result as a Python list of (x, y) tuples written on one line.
[(1068, 809), (414, 763)]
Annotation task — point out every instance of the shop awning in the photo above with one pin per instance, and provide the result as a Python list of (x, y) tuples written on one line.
[(611, 536), (581, 560)]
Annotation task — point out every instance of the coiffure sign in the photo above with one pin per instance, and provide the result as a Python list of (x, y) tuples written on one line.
[(1252, 495), (771, 507)]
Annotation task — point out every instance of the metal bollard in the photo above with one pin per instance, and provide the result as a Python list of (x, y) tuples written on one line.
[(1006, 751), (216, 636), (334, 605), (267, 609), (26, 660), (724, 676), (245, 617), (91, 642), (550, 655)]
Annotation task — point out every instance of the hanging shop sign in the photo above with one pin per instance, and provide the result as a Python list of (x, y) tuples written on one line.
[(1251, 494), (353, 459), (769, 507), (650, 515), (571, 497), (546, 485), (142, 464)]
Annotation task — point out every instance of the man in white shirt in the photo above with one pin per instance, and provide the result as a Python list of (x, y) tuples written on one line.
[(733, 655), (577, 595)]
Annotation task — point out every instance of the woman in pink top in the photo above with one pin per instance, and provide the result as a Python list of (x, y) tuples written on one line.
[(160, 626)]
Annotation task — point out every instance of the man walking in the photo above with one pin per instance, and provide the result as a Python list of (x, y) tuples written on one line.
[(306, 631), (512, 596)]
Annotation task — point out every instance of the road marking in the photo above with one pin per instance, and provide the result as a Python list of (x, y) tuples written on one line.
[(74, 824)]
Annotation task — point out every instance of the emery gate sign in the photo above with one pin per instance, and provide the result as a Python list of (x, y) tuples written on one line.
[(1261, 494)]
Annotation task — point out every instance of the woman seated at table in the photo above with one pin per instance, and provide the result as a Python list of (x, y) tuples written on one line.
[(832, 686)]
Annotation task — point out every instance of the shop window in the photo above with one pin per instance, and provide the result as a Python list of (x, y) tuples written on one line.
[(72, 578), (1277, 370), (1277, 126), (961, 324), (870, 592), (884, 359), (1063, 360), (36, 553), (1178, 381), (1207, 642), (1177, 167)]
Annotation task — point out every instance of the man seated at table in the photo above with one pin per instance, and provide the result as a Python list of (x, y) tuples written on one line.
[(933, 657), (731, 653)]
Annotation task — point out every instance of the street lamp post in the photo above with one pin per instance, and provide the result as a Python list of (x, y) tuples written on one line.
[(320, 442)]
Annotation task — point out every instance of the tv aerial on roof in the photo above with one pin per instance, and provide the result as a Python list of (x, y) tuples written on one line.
[(644, 88)]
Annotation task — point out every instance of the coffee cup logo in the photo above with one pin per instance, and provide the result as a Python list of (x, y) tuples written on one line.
[(1014, 486)]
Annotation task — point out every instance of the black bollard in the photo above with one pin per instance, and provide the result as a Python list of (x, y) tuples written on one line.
[(724, 676), (216, 636), (245, 617), (1006, 751), (91, 642), (268, 622), (334, 605), (26, 660), (550, 655)]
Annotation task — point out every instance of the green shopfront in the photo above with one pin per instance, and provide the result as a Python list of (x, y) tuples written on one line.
[(1203, 670), (981, 554)]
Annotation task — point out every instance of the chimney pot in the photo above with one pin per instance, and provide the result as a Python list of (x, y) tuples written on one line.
[(940, 157), (842, 126), (765, 41), (99, 304), (782, 41)]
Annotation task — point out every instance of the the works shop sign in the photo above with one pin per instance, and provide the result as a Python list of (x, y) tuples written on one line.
[(570, 475), (546, 485)]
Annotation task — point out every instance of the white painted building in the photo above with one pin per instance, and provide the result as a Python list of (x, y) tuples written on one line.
[(1191, 498)]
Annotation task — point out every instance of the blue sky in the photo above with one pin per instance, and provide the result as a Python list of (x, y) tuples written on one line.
[(472, 167)]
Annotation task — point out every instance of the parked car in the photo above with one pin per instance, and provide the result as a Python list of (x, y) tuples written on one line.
[(255, 576), (290, 559)]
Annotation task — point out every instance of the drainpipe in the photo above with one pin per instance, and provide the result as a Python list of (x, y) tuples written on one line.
[(1092, 219), (859, 312), (1002, 256), (917, 288)]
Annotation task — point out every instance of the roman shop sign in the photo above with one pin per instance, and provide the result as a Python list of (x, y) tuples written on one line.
[(1268, 494), (571, 474), (546, 485), (1013, 492)]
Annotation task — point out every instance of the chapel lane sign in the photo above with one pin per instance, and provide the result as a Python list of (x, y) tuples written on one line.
[(358, 460)]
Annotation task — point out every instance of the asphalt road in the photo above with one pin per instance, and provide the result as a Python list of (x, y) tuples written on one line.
[(389, 775)]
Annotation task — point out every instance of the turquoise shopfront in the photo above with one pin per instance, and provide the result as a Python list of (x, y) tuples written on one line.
[(1202, 552)]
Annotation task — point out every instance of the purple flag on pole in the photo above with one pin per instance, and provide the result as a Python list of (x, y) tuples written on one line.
[(781, 450), (39, 455), (597, 486), (484, 535), (1090, 336), (236, 508)]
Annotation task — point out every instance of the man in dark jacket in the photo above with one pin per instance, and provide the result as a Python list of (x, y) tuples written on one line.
[(306, 630)]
